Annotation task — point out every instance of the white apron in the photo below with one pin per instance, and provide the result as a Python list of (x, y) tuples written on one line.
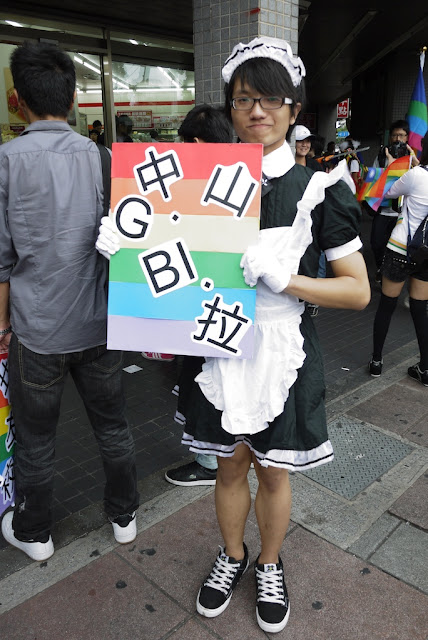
[(251, 393)]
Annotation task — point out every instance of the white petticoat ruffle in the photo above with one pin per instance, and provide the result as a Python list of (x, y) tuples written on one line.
[(289, 459)]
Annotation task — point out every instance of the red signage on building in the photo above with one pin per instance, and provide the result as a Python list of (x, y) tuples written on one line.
[(343, 109), (308, 120)]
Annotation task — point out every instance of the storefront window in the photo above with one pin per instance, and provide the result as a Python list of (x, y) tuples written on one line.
[(149, 98), (12, 120)]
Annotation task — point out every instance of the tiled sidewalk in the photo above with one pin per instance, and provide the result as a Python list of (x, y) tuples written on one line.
[(356, 557)]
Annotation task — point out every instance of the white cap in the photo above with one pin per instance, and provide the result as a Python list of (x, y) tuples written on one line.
[(265, 47), (302, 132)]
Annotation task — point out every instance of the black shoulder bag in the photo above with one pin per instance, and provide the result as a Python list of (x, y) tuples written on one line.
[(106, 171), (417, 246)]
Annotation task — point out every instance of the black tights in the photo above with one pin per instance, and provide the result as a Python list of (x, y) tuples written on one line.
[(381, 324), (419, 312)]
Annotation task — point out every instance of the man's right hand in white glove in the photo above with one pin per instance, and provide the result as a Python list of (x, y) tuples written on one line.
[(108, 241), (259, 262)]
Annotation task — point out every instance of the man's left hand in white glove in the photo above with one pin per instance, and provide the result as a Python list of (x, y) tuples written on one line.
[(258, 262), (108, 241)]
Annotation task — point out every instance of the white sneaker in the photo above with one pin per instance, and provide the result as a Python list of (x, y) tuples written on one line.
[(125, 528), (35, 550)]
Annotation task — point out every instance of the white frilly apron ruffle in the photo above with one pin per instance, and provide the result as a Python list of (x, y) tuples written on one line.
[(251, 393)]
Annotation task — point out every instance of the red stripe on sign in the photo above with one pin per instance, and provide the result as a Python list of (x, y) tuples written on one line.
[(197, 160)]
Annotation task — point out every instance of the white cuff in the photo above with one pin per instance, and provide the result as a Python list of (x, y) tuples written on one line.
[(335, 253)]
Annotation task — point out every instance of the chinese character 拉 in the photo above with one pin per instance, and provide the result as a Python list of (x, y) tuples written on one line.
[(222, 326)]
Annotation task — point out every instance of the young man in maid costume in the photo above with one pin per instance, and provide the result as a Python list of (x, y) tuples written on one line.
[(270, 410)]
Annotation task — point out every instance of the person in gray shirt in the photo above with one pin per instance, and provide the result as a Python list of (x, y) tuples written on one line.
[(53, 284)]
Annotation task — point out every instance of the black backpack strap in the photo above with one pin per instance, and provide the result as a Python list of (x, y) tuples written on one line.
[(106, 171)]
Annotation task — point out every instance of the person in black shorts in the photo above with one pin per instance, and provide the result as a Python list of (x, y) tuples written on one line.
[(397, 267)]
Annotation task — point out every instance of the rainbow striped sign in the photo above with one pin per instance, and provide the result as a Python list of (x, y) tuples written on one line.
[(7, 440), (185, 213)]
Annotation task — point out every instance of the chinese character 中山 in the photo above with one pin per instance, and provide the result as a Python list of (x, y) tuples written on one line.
[(4, 378), (231, 187), (158, 172)]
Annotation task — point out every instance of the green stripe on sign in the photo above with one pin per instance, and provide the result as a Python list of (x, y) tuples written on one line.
[(4, 455), (125, 267)]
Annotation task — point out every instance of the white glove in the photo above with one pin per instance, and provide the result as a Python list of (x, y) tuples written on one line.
[(108, 241), (258, 262)]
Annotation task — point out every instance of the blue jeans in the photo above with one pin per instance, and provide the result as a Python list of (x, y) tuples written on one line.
[(207, 461), (36, 386), (322, 270)]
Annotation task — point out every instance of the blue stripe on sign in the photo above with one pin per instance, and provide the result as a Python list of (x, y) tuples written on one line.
[(136, 300)]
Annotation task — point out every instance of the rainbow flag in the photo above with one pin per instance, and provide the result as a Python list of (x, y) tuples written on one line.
[(7, 440), (184, 213), (417, 114), (378, 182)]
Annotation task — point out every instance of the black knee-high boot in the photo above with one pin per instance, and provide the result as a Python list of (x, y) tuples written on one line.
[(419, 311), (381, 324)]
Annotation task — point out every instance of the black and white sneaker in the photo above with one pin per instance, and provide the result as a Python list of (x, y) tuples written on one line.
[(375, 368), (273, 605), (416, 373), (125, 528), (191, 475), (216, 592)]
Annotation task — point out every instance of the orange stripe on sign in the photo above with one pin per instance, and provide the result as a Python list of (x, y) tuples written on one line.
[(197, 160), (186, 198)]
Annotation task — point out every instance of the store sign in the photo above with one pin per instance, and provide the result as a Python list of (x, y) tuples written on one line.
[(185, 214), (141, 119), (168, 122), (343, 109)]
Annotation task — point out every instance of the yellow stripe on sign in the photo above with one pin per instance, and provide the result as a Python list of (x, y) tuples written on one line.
[(201, 233), (4, 414)]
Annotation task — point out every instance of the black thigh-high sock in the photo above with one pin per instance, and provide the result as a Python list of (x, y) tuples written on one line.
[(419, 311), (381, 324)]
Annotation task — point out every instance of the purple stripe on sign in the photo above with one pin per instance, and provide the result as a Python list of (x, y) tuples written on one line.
[(147, 334)]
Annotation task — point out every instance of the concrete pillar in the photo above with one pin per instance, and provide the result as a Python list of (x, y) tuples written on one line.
[(327, 116), (220, 24)]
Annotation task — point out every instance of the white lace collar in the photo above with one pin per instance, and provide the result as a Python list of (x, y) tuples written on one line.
[(277, 163)]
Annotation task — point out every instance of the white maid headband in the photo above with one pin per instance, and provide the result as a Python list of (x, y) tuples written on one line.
[(264, 47)]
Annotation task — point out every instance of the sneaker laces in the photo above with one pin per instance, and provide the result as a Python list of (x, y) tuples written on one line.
[(222, 574), (270, 587)]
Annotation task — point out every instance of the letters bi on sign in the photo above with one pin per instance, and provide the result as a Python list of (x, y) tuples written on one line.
[(168, 266)]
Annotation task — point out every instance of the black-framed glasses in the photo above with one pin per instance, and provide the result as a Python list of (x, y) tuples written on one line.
[(266, 102)]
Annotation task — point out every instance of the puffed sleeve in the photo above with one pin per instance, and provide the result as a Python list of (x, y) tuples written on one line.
[(335, 228), (341, 217)]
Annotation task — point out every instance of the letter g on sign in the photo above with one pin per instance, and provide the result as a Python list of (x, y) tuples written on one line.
[(134, 217)]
